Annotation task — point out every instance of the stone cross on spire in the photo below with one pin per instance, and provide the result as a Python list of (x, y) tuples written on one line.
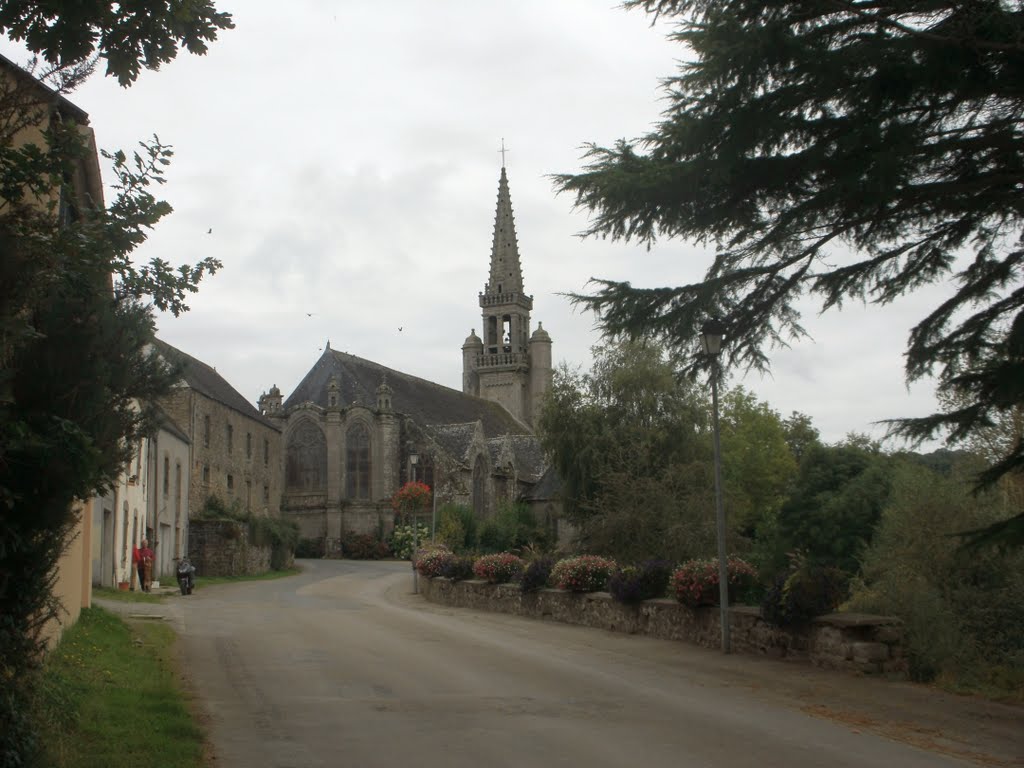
[(503, 151)]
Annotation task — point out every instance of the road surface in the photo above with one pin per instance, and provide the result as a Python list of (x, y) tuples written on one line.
[(343, 666)]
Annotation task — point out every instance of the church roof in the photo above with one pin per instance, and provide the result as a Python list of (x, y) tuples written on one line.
[(526, 452), (548, 488), (423, 401), (205, 380)]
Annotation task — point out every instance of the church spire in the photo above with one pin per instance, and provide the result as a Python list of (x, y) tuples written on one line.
[(506, 272)]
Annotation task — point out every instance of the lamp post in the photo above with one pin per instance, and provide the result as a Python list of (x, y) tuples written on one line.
[(711, 340), (414, 459)]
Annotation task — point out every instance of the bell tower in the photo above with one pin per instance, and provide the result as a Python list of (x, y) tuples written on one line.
[(498, 365)]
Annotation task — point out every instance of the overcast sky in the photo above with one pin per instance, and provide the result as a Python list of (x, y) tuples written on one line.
[(345, 157)]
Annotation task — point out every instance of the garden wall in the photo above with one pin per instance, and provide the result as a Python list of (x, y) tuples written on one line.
[(846, 641), (222, 548)]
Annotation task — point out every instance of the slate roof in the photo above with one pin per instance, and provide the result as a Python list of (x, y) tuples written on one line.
[(170, 425), (529, 458), (547, 489), (426, 403), (205, 380)]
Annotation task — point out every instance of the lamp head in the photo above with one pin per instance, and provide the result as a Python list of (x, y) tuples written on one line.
[(711, 334)]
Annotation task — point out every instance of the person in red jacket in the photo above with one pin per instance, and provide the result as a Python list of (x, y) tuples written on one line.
[(145, 565)]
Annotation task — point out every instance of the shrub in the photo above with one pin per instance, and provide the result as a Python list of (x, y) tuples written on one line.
[(803, 592), (310, 548), (647, 581), (434, 562), (362, 546), (536, 575), (499, 568), (513, 528), (401, 540), (456, 527), (585, 573), (459, 568), (695, 582)]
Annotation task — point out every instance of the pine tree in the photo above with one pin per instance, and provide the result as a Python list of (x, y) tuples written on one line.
[(840, 150)]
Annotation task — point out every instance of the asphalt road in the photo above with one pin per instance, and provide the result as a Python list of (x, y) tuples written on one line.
[(343, 666)]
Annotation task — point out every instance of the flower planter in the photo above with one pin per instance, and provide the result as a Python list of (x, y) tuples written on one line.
[(123, 586)]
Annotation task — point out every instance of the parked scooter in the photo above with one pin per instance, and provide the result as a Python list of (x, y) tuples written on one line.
[(186, 576)]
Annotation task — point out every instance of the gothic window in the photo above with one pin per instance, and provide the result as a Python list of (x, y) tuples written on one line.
[(479, 487), (306, 458), (266, 452), (231, 438), (206, 473), (206, 431), (357, 465)]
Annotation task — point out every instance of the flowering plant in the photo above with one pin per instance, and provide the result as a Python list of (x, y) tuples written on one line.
[(402, 539), (585, 573), (695, 582), (499, 568), (434, 562), (411, 498)]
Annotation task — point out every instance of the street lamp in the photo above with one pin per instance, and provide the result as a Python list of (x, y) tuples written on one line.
[(711, 340), (414, 459)]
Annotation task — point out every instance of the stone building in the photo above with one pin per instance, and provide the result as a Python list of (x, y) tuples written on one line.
[(351, 425), (235, 451)]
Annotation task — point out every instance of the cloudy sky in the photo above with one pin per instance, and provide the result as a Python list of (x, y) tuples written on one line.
[(345, 157)]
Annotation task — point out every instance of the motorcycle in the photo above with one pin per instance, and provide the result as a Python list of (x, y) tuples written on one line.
[(186, 576)]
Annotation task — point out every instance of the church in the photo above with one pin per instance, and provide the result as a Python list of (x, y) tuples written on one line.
[(354, 431)]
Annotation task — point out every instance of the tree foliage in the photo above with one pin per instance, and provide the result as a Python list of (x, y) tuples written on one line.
[(130, 36), (630, 443), (78, 380), (843, 151)]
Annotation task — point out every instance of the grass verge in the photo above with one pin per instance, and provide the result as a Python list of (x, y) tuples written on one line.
[(138, 596), (110, 696)]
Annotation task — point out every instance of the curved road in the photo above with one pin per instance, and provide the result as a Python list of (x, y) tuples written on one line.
[(343, 666)]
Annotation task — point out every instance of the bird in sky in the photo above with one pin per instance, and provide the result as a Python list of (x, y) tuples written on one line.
[(399, 329), (209, 231), (310, 314)]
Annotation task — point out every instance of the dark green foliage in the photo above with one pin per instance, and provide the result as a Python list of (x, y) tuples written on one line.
[(630, 443), (459, 568), (513, 528), (77, 382), (282, 536), (845, 151), (963, 611), (536, 574), (363, 546), (803, 592), (310, 548), (646, 581), (128, 35), (834, 506)]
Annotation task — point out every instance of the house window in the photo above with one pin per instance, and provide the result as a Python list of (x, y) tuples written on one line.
[(206, 473), (167, 476), (248, 445), (231, 438), (206, 431), (357, 475), (266, 494), (248, 495), (231, 482), (266, 452)]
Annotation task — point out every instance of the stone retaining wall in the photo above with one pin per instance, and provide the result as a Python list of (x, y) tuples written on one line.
[(852, 642), (222, 548)]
